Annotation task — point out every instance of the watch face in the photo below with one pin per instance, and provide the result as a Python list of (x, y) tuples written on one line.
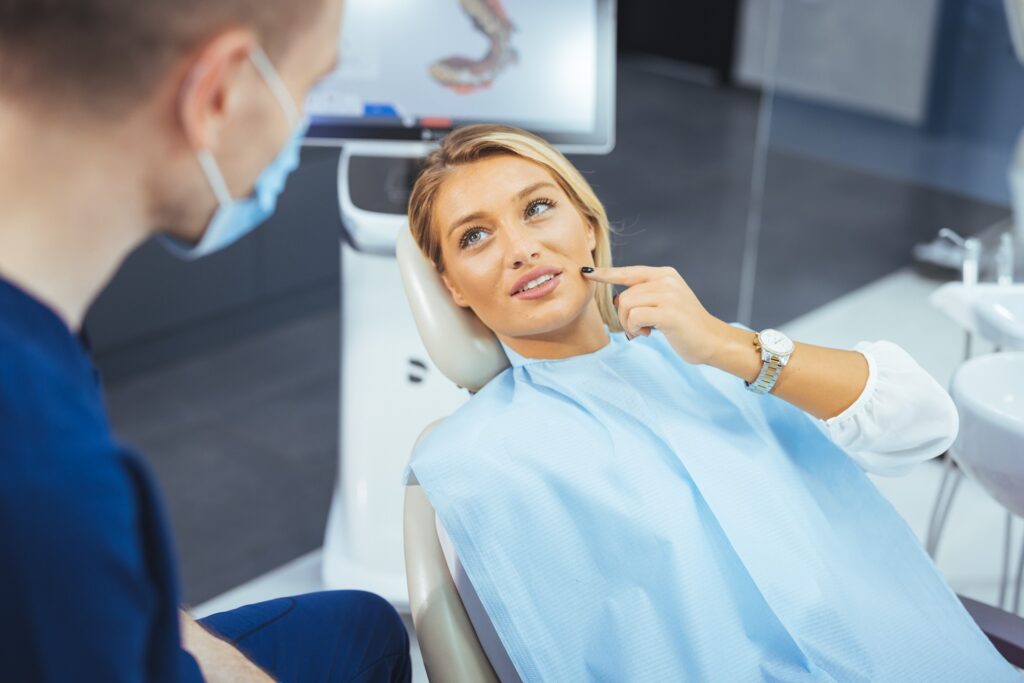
[(776, 343)]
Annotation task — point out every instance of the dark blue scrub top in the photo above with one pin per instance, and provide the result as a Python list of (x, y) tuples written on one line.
[(88, 586)]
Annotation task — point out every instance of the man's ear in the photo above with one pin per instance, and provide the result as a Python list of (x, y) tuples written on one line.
[(457, 297), (212, 86)]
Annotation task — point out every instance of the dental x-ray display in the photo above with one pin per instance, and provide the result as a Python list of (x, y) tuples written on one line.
[(414, 70)]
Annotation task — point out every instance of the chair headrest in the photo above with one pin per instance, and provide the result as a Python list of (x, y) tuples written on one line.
[(461, 346)]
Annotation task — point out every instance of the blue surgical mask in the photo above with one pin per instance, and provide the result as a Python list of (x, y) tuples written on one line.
[(235, 218)]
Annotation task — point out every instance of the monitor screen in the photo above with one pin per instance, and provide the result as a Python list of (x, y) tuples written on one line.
[(415, 69)]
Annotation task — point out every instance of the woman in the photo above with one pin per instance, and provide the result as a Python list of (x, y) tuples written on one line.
[(624, 507)]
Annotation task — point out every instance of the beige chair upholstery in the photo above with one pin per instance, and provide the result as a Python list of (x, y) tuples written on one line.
[(451, 651), (469, 354), (461, 346)]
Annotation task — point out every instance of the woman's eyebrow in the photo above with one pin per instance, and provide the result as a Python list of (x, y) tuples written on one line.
[(475, 216), (533, 188)]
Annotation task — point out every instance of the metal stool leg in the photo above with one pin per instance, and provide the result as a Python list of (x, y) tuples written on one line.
[(1020, 575), (951, 477), (957, 476), (1004, 578)]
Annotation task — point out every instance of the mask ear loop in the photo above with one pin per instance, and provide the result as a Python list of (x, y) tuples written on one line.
[(266, 69), (214, 177)]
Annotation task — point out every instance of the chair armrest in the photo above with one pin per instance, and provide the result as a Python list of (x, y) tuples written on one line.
[(451, 650), (1005, 630)]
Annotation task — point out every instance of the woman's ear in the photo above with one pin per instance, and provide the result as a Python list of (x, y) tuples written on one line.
[(456, 295), (591, 238)]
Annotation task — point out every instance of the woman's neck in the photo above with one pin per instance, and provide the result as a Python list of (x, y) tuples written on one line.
[(585, 334)]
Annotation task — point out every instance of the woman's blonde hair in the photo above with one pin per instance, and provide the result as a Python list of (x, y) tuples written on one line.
[(472, 143)]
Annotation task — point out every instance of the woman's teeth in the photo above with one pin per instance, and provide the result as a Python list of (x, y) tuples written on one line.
[(536, 283)]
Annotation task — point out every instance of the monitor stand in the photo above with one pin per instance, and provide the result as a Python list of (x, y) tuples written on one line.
[(390, 389)]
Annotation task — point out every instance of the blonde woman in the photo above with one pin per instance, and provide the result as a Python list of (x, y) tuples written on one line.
[(652, 494)]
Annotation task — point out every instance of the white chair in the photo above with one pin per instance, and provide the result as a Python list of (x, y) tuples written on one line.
[(469, 354)]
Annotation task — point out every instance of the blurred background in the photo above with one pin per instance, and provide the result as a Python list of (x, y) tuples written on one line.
[(786, 156)]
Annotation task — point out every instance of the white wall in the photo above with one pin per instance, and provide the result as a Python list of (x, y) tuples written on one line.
[(870, 55)]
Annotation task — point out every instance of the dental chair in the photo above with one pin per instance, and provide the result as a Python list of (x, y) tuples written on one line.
[(456, 639)]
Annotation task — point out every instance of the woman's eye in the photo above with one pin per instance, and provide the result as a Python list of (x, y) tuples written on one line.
[(539, 206), (470, 238)]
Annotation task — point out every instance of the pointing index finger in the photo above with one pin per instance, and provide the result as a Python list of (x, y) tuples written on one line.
[(626, 275)]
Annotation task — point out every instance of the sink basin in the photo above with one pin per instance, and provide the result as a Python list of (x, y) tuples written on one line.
[(989, 394), (1000, 318), (994, 312)]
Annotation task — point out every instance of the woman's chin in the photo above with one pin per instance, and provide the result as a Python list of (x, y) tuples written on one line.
[(546, 323)]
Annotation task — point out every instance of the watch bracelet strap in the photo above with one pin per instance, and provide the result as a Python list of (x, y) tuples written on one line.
[(766, 378)]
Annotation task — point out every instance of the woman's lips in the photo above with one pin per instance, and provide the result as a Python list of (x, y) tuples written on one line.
[(540, 290)]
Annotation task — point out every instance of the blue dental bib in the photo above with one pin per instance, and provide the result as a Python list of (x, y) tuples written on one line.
[(626, 516)]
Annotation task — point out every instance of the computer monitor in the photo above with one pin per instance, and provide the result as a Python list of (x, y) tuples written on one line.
[(411, 70)]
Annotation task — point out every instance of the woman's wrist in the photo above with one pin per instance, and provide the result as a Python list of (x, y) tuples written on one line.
[(735, 352)]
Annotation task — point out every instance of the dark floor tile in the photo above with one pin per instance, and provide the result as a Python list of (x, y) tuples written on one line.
[(246, 373), (297, 424), (238, 508)]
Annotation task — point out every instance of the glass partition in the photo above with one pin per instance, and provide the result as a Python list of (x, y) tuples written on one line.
[(881, 123)]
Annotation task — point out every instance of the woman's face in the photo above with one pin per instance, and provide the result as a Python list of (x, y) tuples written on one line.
[(504, 224)]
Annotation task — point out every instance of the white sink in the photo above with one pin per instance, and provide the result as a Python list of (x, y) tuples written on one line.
[(1000, 318), (989, 394), (994, 312)]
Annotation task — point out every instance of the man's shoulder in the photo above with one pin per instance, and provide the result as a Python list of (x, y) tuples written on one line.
[(29, 363), (88, 502), (57, 451), (44, 387)]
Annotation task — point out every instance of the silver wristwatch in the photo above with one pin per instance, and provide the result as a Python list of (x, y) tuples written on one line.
[(775, 350)]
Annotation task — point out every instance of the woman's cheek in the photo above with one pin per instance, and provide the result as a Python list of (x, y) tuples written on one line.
[(483, 281), (572, 236)]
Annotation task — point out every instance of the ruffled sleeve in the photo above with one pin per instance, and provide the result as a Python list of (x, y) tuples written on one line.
[(902, 417)]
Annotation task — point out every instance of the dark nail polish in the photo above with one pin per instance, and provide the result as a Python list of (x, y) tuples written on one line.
[(586, 269)]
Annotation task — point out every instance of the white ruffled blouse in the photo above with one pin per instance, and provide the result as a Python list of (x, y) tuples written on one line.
[(902, 417)]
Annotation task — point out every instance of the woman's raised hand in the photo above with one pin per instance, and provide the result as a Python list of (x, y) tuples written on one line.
[(660, 297)]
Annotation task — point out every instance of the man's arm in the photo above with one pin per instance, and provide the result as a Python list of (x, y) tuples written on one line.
[(218, 659), (80, 599)]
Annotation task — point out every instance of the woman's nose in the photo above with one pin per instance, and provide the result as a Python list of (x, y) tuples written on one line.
[(521, 248)]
